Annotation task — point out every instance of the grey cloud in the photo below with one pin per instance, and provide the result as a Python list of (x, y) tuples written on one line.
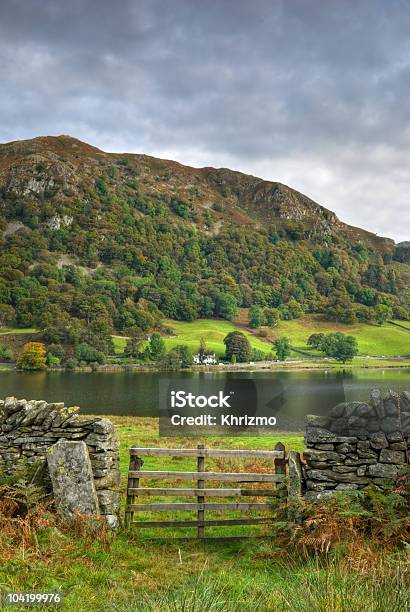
[(311, 93)]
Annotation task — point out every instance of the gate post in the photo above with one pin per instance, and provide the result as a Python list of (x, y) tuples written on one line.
[(201, 485), (136, 464), (295, 485), (280, 465)]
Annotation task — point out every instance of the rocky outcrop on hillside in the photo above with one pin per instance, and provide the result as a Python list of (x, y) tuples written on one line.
[(56, 169)]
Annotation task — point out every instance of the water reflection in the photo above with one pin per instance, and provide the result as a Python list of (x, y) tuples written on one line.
[(291, 395)]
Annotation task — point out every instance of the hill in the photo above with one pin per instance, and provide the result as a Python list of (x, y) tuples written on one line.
[(93, 242)]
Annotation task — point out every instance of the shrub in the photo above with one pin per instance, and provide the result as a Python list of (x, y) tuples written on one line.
[(52, 360), (353, 520), (87, 353), (6, 354), (71, 363)]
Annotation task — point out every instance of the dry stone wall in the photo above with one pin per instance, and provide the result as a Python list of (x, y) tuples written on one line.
[(358, 444), (29, 428)]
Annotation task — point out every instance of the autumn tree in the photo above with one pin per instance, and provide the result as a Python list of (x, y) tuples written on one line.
[(32, 357)]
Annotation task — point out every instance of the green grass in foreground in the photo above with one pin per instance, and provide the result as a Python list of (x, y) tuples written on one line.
[(131, 573)]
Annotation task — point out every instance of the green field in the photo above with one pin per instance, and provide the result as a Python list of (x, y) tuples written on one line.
[(213, 330), (374, 340), (6, 331)]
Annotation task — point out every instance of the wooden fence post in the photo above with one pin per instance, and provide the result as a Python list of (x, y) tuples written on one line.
[(280, 464), (295, 484), (201, 498), (136, 464)]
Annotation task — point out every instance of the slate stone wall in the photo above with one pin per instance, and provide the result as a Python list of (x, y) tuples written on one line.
[(358, 444), (29, 428)]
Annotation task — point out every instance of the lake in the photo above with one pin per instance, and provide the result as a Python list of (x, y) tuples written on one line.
[(297, 393)]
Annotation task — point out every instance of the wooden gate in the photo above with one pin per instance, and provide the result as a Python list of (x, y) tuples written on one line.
[(276, 479)]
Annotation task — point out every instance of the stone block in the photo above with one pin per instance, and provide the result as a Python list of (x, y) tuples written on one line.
[(395, 436), (322, 475), (72, 478), (391, 404), (338, 426), (391, 456), (317, 435), (346, 448), (319, 465), (12, 405), (312, 485), (378, 440), (361, 461), (338, 411), (344, 469), (103, 426), (317, 455), (398, 446), (405, 401), (382, 470), (347, 486), (376, 401), (365, 411), (330, 447), (326, 475), (108, 481), (109, 501)]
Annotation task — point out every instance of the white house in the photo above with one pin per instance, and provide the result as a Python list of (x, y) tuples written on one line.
[(207, 359)]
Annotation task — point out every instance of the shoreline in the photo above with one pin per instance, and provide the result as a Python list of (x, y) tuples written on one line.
[(243, 367)]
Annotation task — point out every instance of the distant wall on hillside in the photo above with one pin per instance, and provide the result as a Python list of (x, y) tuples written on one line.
[(29, 428), (358, 444)]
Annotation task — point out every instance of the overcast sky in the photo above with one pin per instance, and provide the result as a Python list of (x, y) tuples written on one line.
[(312, 93)]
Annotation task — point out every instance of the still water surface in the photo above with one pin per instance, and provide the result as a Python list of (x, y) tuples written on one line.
[(136, 393)]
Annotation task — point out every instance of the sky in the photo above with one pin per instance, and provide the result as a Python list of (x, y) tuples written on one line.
[(311, 93)]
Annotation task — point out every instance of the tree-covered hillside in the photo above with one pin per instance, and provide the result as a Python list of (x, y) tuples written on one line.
[(93, 242)]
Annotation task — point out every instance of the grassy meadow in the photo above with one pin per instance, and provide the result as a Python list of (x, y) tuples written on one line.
[(374, 340), (190, 333)]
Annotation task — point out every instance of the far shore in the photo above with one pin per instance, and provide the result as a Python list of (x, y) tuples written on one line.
[(260, 366)]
